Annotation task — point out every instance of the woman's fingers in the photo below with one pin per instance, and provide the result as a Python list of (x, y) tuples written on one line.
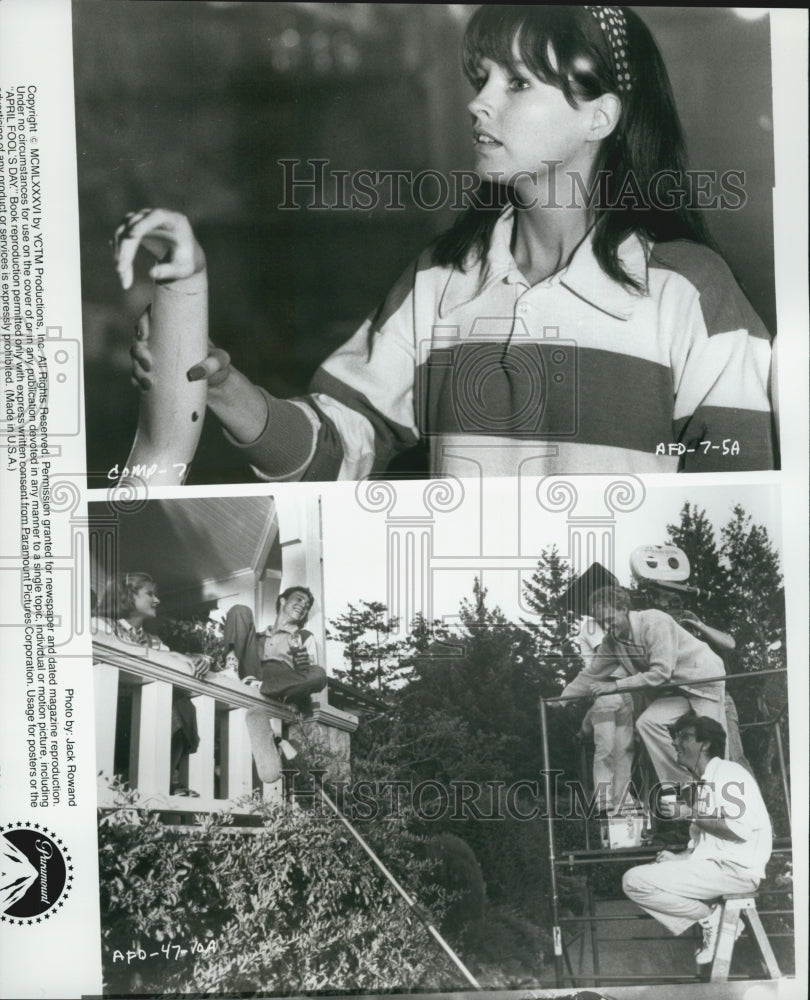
[(140, 381), (223, 362), (141, 356), (201, 664), (143, 327), (215, 368)]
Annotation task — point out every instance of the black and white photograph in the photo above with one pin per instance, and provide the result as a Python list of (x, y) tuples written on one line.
[(405, 482), (359, 239), (301, 788)]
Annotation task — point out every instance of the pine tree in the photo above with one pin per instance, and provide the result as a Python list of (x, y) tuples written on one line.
[(696, 536), (364, 632), (553, 635), (756, 602), (742, 594), (423, 637), (754, 594), (469, 715)]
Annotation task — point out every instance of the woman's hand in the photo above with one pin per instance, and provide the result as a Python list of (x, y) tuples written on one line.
[(215, 367), (168, 236), (197, 664), (603, 687), (235, 400), (201, 664)]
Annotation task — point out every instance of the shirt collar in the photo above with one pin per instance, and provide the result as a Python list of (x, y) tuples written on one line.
[(711, 768), (583, 276), (136, 634), (586, 279), (464, 286), (290, 629)]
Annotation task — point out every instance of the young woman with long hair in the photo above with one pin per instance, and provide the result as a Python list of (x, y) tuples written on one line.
[(575, 318)]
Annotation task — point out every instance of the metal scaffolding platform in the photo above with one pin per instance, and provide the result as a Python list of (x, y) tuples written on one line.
[(577, 938)]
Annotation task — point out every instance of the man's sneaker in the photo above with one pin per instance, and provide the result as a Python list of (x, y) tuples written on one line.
[(180, 789), (231, 668), (710, 926)]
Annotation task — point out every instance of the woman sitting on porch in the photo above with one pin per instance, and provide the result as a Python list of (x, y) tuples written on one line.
[(134, 602)]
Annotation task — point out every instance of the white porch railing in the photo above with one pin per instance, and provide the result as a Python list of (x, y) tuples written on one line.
[(221, 770)]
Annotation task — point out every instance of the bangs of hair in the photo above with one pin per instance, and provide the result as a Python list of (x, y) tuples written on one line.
[(121, 598), (566, 47), (134, 581), (553, 44)]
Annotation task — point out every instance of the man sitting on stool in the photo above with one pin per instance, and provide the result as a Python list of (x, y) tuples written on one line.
[(283, 660), (731, 839)]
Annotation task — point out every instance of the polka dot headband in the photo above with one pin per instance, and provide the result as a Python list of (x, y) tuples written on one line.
[(614, 25)]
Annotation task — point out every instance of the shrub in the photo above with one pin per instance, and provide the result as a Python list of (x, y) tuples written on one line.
[(457, 873), (512, 950), (193, 635), (295, 906)]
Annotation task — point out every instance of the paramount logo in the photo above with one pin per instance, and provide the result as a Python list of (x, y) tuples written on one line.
[(45, 850), (34, 873), (17, 875)]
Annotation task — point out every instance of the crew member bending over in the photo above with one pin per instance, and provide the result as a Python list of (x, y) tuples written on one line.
[(662, 653)]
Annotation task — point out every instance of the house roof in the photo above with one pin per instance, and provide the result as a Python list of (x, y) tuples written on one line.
[(184, 542)]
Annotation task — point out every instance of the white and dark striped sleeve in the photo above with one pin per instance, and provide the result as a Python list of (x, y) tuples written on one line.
[(358, 412), (363, 393), (721, 358)]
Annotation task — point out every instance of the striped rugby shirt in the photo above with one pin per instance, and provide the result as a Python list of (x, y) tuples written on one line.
[(574, 374)]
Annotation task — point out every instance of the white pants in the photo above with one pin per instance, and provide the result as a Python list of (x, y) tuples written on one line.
[(674, 892), (653, 728), (610, 722)]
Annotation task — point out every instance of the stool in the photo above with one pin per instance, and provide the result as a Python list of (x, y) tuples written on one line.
[(737, 906)]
